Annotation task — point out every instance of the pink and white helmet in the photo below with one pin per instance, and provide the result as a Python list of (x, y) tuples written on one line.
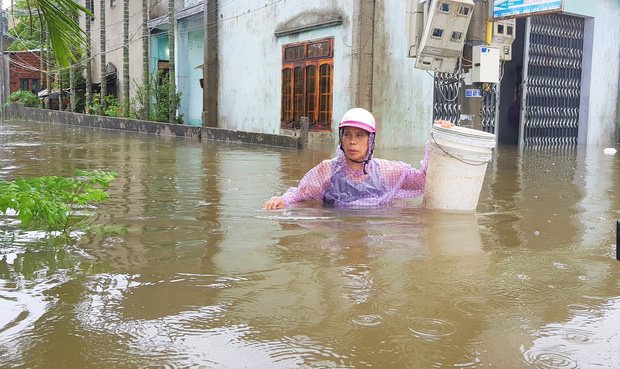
[(360, 118)]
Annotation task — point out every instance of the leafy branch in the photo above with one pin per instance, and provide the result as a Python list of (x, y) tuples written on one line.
[(54, 201), (65, 33)]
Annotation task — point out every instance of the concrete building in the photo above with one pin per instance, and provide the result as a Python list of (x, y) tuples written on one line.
[(600, 84), (260, 74), (189, 52), (281, 60), (114, 43), (266, 65), (189, 43), (578, 60)]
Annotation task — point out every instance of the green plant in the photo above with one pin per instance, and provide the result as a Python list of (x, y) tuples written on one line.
[(94, 107), (25, 97), (26, 32), (160, 107), (113, 108), (55, 203), (80, 96), (136, 108), (80, 103)]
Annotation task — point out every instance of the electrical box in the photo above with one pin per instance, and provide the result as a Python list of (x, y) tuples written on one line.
[(414, 25), (441, 44), (503, 36), (485, 66)]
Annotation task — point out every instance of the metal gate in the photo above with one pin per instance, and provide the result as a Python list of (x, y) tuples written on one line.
[(489, 107), (446, 99), (552, 80)]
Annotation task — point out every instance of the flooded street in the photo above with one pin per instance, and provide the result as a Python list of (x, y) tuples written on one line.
[(205, 278)]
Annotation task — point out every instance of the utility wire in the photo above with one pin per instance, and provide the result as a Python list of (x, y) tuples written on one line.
[(223, 22)]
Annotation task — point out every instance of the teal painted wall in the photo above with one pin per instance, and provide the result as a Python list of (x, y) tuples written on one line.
[(159, 50), (190, 54)]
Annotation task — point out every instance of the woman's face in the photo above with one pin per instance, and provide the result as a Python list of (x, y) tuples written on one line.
[(355, 143)]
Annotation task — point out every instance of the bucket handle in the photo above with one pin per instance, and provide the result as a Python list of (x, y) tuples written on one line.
[(459, 159)]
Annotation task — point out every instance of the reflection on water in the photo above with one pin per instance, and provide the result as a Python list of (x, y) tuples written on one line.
[(208, 279)]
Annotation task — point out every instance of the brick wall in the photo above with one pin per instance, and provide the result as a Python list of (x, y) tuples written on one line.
[(25, 65)]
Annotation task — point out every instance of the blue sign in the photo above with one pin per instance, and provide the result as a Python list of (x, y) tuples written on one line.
[(473, 92), (522, 8)]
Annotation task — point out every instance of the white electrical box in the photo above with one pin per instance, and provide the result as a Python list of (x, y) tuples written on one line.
[(485, 66), (503, 36), (441, 44), (414, 25)]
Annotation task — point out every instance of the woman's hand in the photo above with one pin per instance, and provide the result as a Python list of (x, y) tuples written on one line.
[(274, 203), (444, 123)]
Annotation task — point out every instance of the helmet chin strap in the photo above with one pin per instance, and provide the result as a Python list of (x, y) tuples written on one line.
[(360, 162)]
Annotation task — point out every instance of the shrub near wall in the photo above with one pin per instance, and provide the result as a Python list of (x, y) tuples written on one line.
[(24, 97)]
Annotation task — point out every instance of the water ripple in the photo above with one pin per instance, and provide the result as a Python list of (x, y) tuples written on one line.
[(523, 289), (302, 348), (479, 307), (431, 329), (550, 358), (352, 327), (158, 366), (434, 355), (567, 333), (578, 336), (367, 320), (583, 310), (21, 309)]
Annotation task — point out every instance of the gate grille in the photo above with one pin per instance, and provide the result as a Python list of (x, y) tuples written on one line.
[(489, 105), (446, 99), (553, 80)]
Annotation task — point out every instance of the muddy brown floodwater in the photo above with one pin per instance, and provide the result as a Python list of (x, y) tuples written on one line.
[(207, 279)]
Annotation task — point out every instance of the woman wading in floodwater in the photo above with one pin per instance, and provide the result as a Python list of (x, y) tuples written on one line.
[(354, 177)]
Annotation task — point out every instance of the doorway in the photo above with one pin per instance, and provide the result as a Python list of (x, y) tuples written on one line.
[(540, 90)]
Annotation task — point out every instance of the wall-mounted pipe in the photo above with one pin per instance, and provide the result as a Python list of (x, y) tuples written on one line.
[(489, 31)]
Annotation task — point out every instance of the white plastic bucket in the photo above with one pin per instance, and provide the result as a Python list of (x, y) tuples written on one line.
[(457, 164)]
